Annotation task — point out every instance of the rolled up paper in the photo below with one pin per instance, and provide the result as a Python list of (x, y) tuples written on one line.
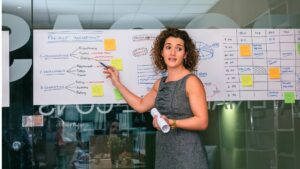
[(161, 122)]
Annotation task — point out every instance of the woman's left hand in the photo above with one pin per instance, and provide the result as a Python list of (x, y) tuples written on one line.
[(169, 121)]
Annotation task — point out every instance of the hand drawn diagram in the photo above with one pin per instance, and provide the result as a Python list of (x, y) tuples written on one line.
[(140, 46), (67, 67), (206, 51)]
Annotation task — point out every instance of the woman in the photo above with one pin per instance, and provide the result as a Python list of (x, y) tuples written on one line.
[(179, 97)]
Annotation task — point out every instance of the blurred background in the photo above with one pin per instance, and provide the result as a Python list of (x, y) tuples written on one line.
[(241, 134)]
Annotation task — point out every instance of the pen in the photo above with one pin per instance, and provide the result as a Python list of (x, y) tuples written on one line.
[(103, 65)]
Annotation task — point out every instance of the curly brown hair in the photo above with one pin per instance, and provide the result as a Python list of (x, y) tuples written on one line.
[(158, 45)]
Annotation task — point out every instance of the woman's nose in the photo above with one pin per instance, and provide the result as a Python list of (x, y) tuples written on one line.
[(173, 51)]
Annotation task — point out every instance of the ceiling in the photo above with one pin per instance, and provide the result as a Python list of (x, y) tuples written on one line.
[(105, 14)]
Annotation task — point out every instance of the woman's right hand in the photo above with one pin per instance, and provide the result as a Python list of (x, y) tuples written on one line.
[(155, 123), (113, 74)]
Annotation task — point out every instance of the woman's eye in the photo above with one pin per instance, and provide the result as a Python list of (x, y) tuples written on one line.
[(179, 49), (168, 47)]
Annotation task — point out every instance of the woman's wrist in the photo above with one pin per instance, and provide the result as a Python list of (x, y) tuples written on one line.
[(118, 84), (173, 124)]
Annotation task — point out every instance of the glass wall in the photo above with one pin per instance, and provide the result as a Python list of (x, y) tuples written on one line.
[(241, 134)]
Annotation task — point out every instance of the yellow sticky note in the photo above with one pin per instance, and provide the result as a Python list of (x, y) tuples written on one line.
[(289, 97), (298, 47), (274, 72), (246, 80), (118, 95), (117, 63), (245, 50), (109, 44), (97, 90)]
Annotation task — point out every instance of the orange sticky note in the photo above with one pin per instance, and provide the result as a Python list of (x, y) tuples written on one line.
[(109, 44), (246, 80), (97, 90), (117, 63), (274, 72), (245, 50)]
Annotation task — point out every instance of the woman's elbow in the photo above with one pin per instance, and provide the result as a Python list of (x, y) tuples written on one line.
[(140, 110), (203, 125)]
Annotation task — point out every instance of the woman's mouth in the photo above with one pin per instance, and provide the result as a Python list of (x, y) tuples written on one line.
[(172, 59)]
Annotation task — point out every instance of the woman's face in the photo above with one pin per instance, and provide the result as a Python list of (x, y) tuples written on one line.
[(174, 52)]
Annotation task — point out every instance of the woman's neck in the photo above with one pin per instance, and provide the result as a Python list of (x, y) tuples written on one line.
[(176, 74)]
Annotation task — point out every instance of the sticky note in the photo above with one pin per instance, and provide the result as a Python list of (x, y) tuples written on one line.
[(117, 63), (298, 47), (274, 72), (245, 50), (118, 95), (289, 97), (109, 44), (246, 80), (97, 90)]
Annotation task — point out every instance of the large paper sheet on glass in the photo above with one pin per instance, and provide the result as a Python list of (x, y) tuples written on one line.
[(235, 64)]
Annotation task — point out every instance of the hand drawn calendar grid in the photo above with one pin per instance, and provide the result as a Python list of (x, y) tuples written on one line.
[(234, 64), (262, 64)]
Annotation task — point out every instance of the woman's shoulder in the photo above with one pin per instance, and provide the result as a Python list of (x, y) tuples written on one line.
[(192, 77), (194, 85), (193, 81), (157, 81), (156, 84)]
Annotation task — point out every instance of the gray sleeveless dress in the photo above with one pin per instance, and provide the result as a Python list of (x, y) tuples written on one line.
[(179, 148)]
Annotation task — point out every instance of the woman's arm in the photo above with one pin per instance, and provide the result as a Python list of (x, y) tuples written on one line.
[(197, 100), (137, 103)]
